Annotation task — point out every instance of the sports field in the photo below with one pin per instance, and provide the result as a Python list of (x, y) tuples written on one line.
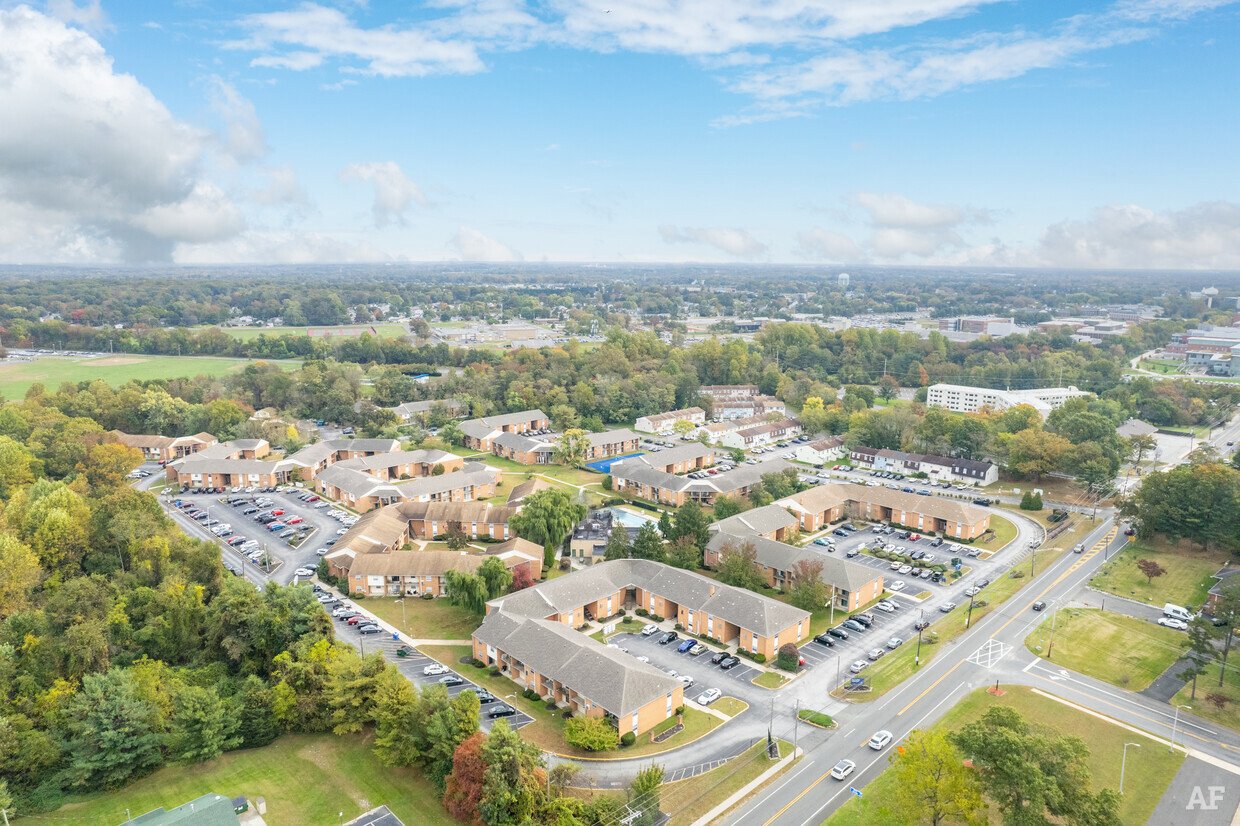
[(16, 377), (384, 330)]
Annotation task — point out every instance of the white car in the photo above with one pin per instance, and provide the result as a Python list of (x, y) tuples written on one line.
[(304, 572), (435, 670), (342, 532), (1172, 622), (880, 740), (894, 643), (886, 607), (895, 566), (643, 659), (898, 585), (857, 666), (842, 769), (650, 629), (709, 696), (686, 680)]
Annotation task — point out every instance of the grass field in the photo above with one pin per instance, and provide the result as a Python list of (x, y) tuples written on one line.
[(1207, 684), (1147, 775), (547, 730), (1186, 582), (52, 371), (1004, 530), (688, 800), (515, 472), (1124, 651), (306, 779), (816, 718), (770, 679), (1165, 366), (385, 330), (898, 666), (729, 706), (424, 619)]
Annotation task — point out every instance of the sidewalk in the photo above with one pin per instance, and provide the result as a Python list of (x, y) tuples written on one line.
[(740, 794)]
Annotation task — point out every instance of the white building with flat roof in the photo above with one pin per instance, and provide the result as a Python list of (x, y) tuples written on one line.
[(960, 398)]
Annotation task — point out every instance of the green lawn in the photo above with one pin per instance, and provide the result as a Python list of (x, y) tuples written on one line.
[(1148, 773), (1160, 365), (306, 779), (898, 666), (770, 679), (628, 625), (1004, 530), (816, 718), (572, 476), (385, 330), (1186, 582), (52, 371), (729, 706), (424, 619), (1207, 684), (547, 730), (688, 800), (1122, 650)]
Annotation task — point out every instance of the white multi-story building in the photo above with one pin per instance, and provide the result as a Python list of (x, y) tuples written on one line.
[(961, 398)]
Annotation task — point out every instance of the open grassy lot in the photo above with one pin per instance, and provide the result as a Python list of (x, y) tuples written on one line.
[(688, 800), (385, 330), (1004, 532), (1124, 651), (1228, 714), (306, 779), (1186, 582), (424, 619), (898, 666), (1148, 773), (770, 679), (16, 377), (729, 706), (547, 730), (572, 476)]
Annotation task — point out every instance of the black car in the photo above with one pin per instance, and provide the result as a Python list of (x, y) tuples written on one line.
[(729, 662), (369, 629), (921, 625), (670, 636), (450, 680), (1039, 605), (718, 658), (501, 711), (825, 639), (985, 503), (484, 696), (865, 619), (838, 633)]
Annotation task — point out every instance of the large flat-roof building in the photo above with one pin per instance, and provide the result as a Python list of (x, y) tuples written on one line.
[(961, 398)]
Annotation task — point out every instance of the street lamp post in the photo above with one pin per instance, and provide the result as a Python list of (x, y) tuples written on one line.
[(969, 619), (1122, 764), (920, 628), (1175, 724), (403, 624)]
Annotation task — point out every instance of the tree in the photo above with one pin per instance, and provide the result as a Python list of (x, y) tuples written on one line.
[(888, 386), (1034, 452), (1196, 502), (683, 553), (644, 794), (648, 544), (511, 791), (448, 724), (665, 525), (933, 785), (496, 576), (591, 734), (466, 590), (452, 434), (546, 519), (455, 538), (17, 466), (521, 579), (1031, 501), (463, 787), (682, 427), (617, 543), (1033, 773), (572, 447), (21, 574), (396, 706), (202, 726), (691, 523), (788, 657), (807, 591), (1151, 569), (726, 506), (738, 566), (1225, 610), (1140, 445), (108, 733)]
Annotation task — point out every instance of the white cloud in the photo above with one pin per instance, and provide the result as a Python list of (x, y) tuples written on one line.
[(283, 188), (89, 158), (394, 192), (276, 247), (1202, 236), (736, 242), (89, 16), (243, 132), (827, 245), (472, 245)]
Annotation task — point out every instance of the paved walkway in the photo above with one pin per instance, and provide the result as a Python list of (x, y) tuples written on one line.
[(1201, 794)]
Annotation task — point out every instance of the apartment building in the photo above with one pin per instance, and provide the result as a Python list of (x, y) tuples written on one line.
[(961, 398), (165, 448), (748, 406), (761, 435), (362, 492), (820, 506), (540, 450), (480, 434), (665, 423), (938, 468), (642, 481), (231, 464), (684, 458), (724, 392), (415, 573), (421, 411), (821, 451)]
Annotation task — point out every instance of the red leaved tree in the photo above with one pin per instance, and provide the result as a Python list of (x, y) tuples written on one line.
[(464, 784)]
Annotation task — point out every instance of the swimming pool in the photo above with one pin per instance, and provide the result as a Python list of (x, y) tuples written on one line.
[(629, 519)]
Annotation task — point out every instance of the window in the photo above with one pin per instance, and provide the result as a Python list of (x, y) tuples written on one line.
[(753, 644), (669, 704), (635, 722)]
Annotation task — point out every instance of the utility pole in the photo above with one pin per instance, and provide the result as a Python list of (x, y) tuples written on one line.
[(1122, 764), (917, 659), (796, 726), (969, 619), (1050, 645)]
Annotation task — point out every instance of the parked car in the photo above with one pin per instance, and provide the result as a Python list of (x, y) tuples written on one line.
[(858, 666), (435, 669), (838, 633), (709, 696), (853, 625), (875, 653), (947, 607), (729, 662), (450, 680), (825, 639), (886, 607), (894, 643), (369, 629), (501, 711), (650, 629), (697, 650), (1172, 622), (304, 572), (670, 636), (718, 658), (684, 647), (898, 585), (921, 625)]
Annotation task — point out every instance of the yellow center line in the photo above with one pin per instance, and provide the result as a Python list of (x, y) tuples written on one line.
[(794, 800)]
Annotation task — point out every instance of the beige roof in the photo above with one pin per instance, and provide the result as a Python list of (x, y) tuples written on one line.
[(423, 563), (526, 488), (824, 497)]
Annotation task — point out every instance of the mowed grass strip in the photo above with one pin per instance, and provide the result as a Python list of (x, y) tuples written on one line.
[(423, 619), (1186, 582), (306, 779), (1147, 775), (1124, 651), (1219, 704), (16, 377), (688, 800)]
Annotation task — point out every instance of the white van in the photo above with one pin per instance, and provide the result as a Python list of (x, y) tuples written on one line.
[(1177, 612)]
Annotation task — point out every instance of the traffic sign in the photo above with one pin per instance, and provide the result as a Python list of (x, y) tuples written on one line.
[(855, 791), (857, 680)]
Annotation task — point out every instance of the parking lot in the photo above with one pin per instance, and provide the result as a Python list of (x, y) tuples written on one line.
[(736, 682), (317, 525), (414, 662)]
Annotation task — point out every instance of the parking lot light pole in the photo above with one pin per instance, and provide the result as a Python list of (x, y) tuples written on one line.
[(1122, 764), (917, 659), (969, 619), (403, 623)]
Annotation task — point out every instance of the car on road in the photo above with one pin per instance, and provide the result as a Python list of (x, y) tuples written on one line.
[(650, 629), (1079, 548), (858, 665), (670, 636), (1038, 606), (450, 680), (825, 639), (501, 711), (898, 585), (729, 662), (842, 769), (1172, 622), (947, 607), (435, 669), (880, 740), (709, 696), (894, 643)]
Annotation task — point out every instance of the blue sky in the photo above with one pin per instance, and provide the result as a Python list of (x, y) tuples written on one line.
[(988, 132)]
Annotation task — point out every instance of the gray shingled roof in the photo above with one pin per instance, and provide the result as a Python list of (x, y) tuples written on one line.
[(838, 573), (759, 520), (674, 455), (483, 427)]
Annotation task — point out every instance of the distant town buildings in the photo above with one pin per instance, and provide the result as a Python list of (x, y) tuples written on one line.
[(842, 280), (961, 398)]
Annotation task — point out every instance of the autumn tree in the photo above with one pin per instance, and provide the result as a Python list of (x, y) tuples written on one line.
[(1035, 452), (932, 783), (807, 590), (546, 518), (572, 448), (1151, 569), (738, 566), (463, 787)]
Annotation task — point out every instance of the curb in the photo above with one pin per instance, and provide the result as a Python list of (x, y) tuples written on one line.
[(740, 794)]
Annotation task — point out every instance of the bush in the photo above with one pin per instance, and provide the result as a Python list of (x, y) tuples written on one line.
[(679, 627), (531, 695), (591, 734), (642, 612), (428, 595), (680, 711), (1031, 502), (550, 703), (656, 618), (494, 672), (479, 664), (628, 738), (788, 657), (568, 714)]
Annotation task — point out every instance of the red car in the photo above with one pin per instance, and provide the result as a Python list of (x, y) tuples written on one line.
[(915, 537), (277, 512), (294, 520), (357, 619)]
